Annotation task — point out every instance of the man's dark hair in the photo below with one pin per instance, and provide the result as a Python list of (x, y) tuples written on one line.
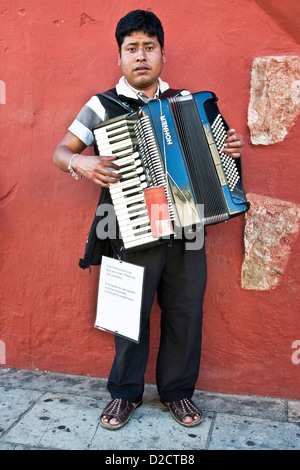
[(139, 20)]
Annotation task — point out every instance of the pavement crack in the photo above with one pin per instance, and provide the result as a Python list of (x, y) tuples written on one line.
[(21, 416)]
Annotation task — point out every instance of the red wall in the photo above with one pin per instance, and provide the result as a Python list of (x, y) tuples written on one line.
[(54, 56)]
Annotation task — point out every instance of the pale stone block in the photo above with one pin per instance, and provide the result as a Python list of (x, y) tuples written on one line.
[(274, 98), (271, 230), (294, 411)]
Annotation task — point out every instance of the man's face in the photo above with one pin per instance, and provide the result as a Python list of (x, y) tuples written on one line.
[(141, 59)]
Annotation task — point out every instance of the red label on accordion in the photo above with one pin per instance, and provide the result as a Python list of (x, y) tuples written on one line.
[(158, 211)]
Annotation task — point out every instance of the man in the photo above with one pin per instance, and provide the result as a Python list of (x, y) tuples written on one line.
[(177, 275)]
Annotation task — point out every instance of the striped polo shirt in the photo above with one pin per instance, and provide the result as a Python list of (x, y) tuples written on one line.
[(93, 112)]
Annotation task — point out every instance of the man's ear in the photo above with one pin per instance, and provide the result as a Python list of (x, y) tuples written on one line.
[(163, 54), (119, 58)]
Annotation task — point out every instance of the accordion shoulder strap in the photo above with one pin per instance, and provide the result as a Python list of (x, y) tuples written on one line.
[(170, 93), (115, 99), (112, 96)]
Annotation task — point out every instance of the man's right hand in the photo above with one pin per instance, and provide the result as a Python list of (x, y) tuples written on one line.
[(97, 169), (101, 170)]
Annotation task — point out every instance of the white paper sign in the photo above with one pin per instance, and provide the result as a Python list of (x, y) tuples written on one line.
[(120, 296)]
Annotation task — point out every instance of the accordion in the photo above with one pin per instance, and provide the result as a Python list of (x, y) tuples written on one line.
[(171, 145)]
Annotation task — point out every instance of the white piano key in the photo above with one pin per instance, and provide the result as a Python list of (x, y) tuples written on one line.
[(140, 219), (117, 153), (120, 145), (134, 233), (131, 172), (124, 195), (111, 139), (133, 158), (122, 153), (129, 166), (115, 128), (121, 185), (109, 127), (122, 212), (123, 203), (131, 226), (134, 174), (105, 140), (136, 241), (141, 211), (133, 163), (132, 210)]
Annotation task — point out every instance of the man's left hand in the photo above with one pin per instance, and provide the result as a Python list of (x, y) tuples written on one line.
[(233, 144)]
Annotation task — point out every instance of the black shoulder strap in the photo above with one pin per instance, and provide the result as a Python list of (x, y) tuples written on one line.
[(170, 93), (112, 96), (125, 102)]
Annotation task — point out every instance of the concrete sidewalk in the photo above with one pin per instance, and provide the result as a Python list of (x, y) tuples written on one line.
[(50, 411)]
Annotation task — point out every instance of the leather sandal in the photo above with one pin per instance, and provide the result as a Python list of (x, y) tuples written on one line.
[(119, 409), (182, 408)]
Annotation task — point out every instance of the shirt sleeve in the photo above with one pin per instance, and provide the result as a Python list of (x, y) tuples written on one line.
[(92, 113)]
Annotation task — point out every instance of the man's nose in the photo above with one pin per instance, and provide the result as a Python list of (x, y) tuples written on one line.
[(141, 54)]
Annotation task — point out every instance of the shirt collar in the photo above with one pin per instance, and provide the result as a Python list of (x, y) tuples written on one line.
[(123, 88)]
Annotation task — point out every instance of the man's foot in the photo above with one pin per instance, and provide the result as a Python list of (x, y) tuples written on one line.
[(117, 413), (185, 412)]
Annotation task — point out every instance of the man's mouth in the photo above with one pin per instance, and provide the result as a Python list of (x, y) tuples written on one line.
[(141, 68)]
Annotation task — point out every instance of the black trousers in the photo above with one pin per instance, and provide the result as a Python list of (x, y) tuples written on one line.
[(179, 278)]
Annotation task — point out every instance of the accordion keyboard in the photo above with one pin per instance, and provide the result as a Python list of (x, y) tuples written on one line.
[(140, 169)]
